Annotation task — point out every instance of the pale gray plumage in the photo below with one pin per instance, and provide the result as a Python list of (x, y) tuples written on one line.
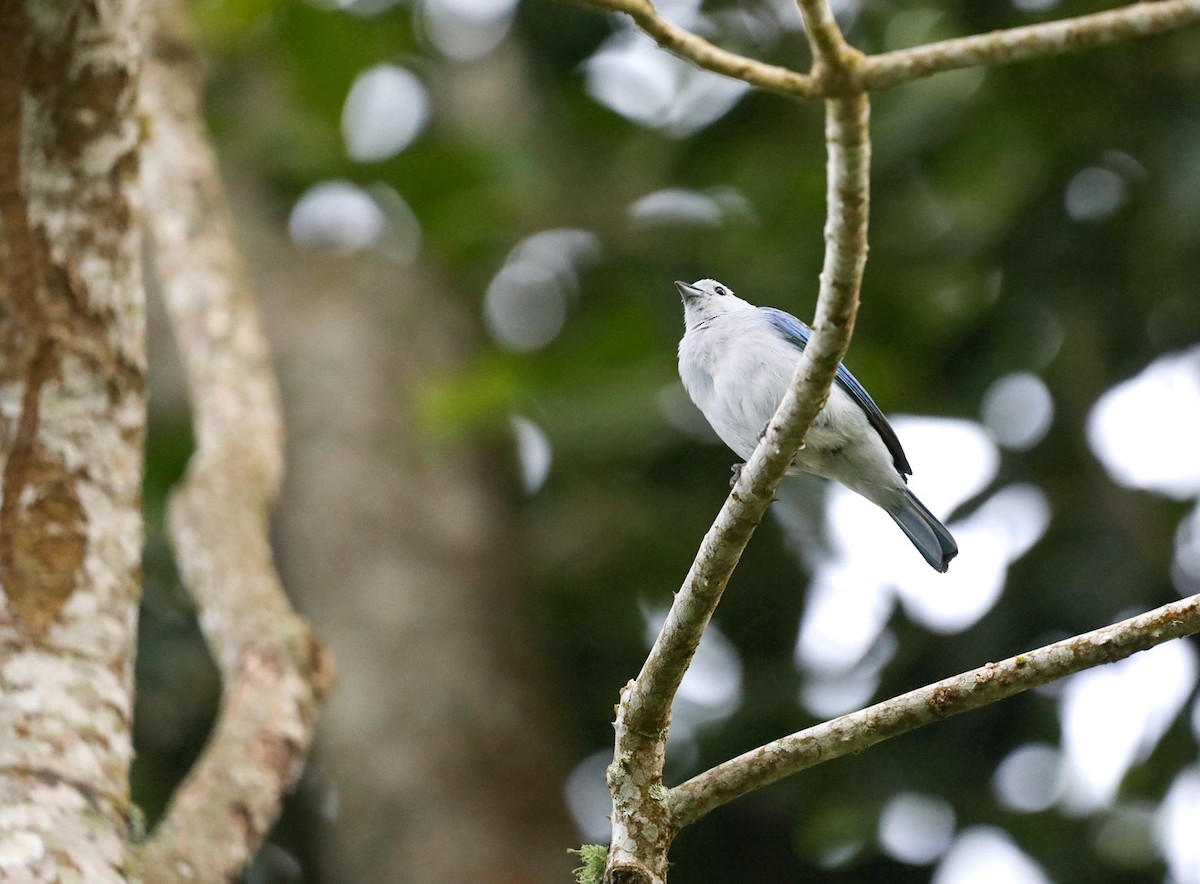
[(736, 361)]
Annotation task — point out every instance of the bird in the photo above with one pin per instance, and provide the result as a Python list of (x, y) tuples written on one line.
[(736, 361)]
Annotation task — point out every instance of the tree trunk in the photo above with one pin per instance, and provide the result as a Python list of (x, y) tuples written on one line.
[(72, 420)]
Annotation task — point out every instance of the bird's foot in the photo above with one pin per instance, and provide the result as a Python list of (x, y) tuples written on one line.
[(762, 434), (736, 469)]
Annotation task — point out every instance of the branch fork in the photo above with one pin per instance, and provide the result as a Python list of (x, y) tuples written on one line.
[(647, 815), (840, 70)]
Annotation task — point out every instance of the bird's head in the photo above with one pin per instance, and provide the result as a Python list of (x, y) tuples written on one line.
[(707, 298)]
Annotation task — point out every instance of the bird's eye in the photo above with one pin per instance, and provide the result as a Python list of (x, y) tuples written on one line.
[(721, 290)]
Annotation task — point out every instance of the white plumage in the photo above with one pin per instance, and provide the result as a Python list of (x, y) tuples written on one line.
[(736, 361)]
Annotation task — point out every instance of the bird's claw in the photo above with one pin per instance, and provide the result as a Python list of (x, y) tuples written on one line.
[(736, 469)]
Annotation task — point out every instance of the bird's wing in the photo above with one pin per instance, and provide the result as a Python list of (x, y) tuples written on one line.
[(797, 334)]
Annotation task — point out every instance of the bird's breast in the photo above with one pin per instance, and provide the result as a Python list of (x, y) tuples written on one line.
[(736, 380)]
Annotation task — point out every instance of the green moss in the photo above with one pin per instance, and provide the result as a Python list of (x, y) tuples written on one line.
[(592, 870)]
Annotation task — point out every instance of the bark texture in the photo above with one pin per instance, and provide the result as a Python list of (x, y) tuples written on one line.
[(72, 420)]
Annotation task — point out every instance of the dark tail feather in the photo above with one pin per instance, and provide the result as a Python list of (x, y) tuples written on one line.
[(927, 534)]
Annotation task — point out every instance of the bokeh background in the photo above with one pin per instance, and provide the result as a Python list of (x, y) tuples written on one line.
[(463, 219)]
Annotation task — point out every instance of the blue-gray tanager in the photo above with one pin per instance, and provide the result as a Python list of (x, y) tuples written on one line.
[(736, 361)]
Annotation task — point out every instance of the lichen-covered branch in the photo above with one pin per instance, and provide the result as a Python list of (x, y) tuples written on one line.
[(1034, 41), (703, 54), (852, 733), (273, 668), (643, 826), (72, 423)]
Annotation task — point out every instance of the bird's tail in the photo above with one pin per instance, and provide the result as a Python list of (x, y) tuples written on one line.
[(927, 534)]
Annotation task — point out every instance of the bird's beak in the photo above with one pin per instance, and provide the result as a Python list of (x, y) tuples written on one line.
[(686, 290)]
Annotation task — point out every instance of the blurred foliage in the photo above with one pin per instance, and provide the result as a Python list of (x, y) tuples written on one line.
[(975, 270)]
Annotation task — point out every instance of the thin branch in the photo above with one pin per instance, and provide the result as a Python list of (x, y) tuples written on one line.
[(829, 48), (643, 716), (841, 69), (273, 668), (821, 29), (701, 53), (1033, 41), (837, 305), (852, 733)]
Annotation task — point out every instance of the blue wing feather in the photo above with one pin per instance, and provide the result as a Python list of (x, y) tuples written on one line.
[(797, 334)]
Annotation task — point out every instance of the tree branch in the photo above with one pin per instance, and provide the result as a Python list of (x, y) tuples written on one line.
[(650, 695), (646, 816), (643, 716), (701, 53), (1034, 41), (273, 668), (821, 29), (989, 683), (839, 69), (835, 61)]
